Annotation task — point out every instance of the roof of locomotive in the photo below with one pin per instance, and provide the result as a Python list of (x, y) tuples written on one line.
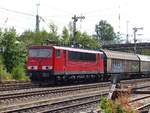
[(77, 49), (40, 46), (65, 48), (144, 57), (120, 55)]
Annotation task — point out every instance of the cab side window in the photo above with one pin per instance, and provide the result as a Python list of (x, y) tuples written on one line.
[(57, 53)]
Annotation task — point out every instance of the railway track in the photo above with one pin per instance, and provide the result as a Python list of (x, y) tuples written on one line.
[(144, 108), (22, 98), (141, 103), (9, 97), (70, 104), (16, 85), (59, 104), (19, 97)]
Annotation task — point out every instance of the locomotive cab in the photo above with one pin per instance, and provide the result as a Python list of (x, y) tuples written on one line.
[(40, 63)]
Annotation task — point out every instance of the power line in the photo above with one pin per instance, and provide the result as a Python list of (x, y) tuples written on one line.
[(15, 17), (58, 9), (23, 13), (101, 10), (51, 19), (18, 12), (55, 16), (44, 21)]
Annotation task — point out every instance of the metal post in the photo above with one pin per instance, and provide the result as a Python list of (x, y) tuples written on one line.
[(115, 80), (135, 40), (74, 29), (75, 19), (127, 36), (37, 19)]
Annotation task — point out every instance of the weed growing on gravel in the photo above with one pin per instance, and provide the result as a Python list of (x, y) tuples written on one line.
[(120, 105)]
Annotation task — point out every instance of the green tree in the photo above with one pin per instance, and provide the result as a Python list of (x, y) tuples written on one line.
[(0, 37), (65, 36), (105, 33), (30, 37), (15, 51), (53, 35), (90, 41), (41, 37), (86, 41), (53, 28)]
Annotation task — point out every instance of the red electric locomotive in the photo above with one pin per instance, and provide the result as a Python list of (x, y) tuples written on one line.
[(49, 64), (53, 63)]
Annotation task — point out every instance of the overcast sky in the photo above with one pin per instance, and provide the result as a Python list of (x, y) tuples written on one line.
[(134, 12)]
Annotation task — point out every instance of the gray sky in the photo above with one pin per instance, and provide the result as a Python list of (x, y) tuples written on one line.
[(60, 12)]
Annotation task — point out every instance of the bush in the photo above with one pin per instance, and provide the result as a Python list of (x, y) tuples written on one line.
[(117, 106), (15, 51), (18, 73), (4, 75)]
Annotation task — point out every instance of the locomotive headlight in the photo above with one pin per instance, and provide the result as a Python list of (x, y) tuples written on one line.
[(46, 67), (33, 67)]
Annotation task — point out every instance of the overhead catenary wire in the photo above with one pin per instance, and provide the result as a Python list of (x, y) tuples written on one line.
[(18, 12), (58, 9), (49, 19), (46, 20), (100, 10), (10, 12), (12, 17), (23, 13)]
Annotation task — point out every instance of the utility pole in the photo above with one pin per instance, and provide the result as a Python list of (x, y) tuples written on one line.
[(127, 35), (37, 19), (119, 19), (135, 29), (75, 19)]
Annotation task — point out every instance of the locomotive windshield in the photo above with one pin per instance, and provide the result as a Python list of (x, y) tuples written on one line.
[(40, 52)]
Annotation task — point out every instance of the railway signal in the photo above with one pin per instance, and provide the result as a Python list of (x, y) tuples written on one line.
[(135, 29), (75, 19)]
